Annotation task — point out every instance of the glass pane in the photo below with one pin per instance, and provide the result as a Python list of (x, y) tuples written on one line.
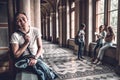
[(73, 24), (4, 37), (113, 21), (100, 20), (73, 5), (114, 4), (3, 13), (100, 6)]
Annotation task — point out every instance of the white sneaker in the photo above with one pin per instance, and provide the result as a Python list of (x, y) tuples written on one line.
[(95, 61), (99, 63)]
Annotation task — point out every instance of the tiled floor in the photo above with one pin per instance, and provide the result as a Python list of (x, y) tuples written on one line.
[(64, 62)]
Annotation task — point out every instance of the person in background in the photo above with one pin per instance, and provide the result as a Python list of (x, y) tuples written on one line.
[(26, 45), (81, 38), (108, 42), (100, 40)]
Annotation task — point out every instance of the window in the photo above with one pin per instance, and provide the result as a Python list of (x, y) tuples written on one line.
[(72, 20), (113, 14), (68, 19), (4, 41), (99, 13), (3, 13), (72, 24), (4, 38), (57, 28)]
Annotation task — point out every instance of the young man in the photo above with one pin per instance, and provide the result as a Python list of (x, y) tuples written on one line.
[(81, 37), (26, 45)]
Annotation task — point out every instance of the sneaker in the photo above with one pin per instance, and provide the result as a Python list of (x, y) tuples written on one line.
[(80, 59), (99, 63), (95, 62), (83, 57), (92, 59)]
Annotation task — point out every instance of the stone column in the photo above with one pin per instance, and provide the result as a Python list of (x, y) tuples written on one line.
[(77, 15), (118, 34), (11, 28), (48, 27), (117, 70), (42, 24), (37, 15), (24, 6), (32, 13), (10, 17), (54, 35), (63, 26), (60, 26), (106, 13), (44, 28)]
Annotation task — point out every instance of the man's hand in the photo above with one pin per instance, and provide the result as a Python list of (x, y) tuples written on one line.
[(27, 38), (32, 62)]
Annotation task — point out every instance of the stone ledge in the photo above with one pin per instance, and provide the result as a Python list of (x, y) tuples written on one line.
[(25, 75)]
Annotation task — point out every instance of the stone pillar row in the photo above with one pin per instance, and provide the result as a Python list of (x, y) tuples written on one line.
[(63, 24)]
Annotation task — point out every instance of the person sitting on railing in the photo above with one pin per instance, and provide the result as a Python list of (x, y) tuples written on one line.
[(100, 40), (108, 42)]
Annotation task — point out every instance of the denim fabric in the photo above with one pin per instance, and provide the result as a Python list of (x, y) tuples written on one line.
[(80, 49), (22, 63), (43, 71), (102, 49), (98, 45)]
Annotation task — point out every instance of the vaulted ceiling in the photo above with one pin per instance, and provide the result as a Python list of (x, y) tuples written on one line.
[(48, 5)]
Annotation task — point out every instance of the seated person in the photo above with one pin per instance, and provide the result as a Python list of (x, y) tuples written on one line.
[(108, 42), (100, 40), (26, 44)]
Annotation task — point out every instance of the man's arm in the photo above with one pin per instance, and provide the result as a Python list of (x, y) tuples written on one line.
[(17, 51), (39, 44), (39, 52)]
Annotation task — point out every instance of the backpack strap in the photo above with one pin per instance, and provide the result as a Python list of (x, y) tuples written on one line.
[(20, 32)]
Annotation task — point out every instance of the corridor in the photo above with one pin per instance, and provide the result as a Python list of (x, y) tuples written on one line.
[(64, 62)]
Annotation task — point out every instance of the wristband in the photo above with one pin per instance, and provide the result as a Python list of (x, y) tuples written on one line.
[(35, 58)]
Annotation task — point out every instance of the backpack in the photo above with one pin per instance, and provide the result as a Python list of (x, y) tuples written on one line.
[(76, 40)]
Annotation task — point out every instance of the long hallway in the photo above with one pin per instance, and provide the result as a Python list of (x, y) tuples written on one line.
[(64, 62)]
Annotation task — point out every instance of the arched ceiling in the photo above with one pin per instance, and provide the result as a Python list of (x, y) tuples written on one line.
[(48, 5)]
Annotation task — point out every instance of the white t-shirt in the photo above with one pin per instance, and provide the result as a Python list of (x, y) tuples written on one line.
[(81, 35), (17, 38)]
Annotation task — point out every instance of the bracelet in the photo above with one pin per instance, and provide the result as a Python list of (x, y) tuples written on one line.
[(35, 58)]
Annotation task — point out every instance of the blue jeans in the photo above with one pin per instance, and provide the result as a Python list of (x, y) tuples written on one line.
[(43, 71), (102, 49), (80, 49), (98, 45)]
